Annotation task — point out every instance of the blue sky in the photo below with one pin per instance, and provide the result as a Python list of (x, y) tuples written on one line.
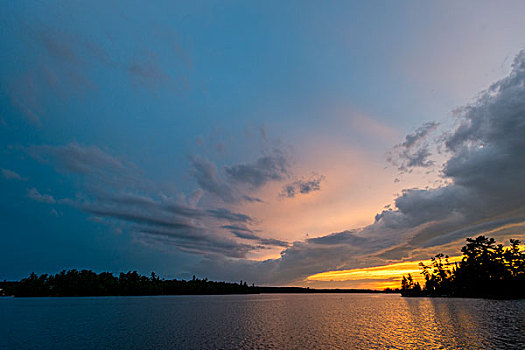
[(236, 140)]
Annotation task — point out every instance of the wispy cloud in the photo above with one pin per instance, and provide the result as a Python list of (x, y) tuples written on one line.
[(99, 169), (148, 71), (271, 167), (248, 234), (414, 151), (11, 175), (208, 178), (154, 217), (302, 186), (37, 196)]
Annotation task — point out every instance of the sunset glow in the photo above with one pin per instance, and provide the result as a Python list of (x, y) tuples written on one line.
[(194, 139), (378, 277), (262, 174)]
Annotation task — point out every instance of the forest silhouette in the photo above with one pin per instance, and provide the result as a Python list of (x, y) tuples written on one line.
[(486, 270), (74, 283), (89, 283)]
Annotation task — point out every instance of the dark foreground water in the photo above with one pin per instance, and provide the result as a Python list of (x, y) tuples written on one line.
[(279, 321)]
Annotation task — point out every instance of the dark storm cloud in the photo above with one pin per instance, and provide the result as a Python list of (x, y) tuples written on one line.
[(302, 186), (273, 167)]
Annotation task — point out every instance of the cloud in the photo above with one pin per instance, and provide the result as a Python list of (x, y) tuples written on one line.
[(223, 213), (484, 170), (68, 61), (156, 218), (273, 167), (415, 138), (485, 194), (418, 159), (232, 189), (207, 177), (58, 44), (37, 196), (77, 158), (168, 222), (100, 170), (148, 71), (302, 186), (252, 199), (56, 213), (246, 233), (414, 151), (10, 175), (210, 246), (25, 94), (62, 67)]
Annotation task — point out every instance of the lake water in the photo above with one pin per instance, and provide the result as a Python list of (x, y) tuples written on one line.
[(267, 321)]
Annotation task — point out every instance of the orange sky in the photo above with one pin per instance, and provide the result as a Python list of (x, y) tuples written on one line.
[(378, 277)]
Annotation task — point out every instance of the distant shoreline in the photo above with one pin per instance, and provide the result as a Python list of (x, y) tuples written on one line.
[(74, 283), (11, 285)]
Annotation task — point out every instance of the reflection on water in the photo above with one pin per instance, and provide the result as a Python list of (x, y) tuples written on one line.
[(300, 321)]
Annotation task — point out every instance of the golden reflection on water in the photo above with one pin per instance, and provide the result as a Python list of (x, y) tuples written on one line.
[(265, 321), (441, 321), (360, 321)]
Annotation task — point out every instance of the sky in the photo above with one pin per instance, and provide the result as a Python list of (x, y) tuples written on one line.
[(268, 142)]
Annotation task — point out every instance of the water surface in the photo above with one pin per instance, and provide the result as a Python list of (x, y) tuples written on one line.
[(267, 321)]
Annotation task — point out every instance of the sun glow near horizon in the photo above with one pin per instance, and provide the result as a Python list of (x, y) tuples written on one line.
[(378, 277)]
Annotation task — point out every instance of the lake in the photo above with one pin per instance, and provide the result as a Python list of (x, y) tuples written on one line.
[(266, 321)]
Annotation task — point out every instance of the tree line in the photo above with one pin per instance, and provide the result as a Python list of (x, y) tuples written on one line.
[(89, 283), (486, 270)]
